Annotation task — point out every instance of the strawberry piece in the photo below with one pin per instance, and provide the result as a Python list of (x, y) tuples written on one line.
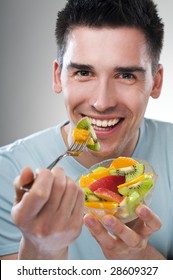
[(109, 182)]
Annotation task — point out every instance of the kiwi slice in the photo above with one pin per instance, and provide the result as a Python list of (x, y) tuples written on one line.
[(90, 196), (85, 123), (130, 172), (141, 187), (133, 197)]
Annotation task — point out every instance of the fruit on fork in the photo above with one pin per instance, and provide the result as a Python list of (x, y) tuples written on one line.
[(82, 130)]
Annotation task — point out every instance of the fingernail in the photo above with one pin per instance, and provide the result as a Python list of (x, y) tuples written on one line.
[(38, 171), (143, 211), (108, 221), (89, 221)]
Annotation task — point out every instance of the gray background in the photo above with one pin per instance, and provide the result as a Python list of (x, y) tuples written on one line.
[(27, 51)]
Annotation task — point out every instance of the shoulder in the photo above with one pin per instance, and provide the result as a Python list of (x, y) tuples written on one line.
[(158, 130), (31, 149), (37, 138), (156, 138), (157, 124)]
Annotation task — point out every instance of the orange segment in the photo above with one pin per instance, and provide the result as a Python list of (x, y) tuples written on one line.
[(101, 204), (123, 162), (99, 174), (116, 163), (81, 135), (138, 179), (85, 181)]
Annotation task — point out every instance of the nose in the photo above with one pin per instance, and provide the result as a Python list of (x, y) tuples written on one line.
[(104, 97)]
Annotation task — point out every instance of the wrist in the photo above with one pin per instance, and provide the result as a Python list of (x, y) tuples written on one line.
[(30, 251), (149, 253)]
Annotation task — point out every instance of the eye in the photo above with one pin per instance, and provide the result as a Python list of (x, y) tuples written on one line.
[(126, 76), (83, 73)]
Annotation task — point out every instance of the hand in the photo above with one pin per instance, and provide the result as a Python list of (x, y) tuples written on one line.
[(50, 215), (126, 241)]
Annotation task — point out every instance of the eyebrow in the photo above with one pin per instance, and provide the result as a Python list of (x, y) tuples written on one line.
[(73, 65), (130, 69)]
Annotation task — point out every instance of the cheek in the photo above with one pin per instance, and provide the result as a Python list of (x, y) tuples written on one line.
[(139, 108), (139, 100), (72, 100), (75, 93)]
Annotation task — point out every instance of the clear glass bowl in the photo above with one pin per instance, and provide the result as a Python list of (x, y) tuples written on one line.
[(125, 213)]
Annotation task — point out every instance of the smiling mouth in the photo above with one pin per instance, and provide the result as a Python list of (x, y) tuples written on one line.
[(105, 125)]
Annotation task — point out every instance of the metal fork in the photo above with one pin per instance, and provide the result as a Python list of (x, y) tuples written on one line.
[(74, 150)]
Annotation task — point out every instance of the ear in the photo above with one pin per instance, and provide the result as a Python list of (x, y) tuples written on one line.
[(56, 77), (158, 81)]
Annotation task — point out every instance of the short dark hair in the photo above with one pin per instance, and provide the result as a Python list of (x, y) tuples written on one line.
[(141, 14)]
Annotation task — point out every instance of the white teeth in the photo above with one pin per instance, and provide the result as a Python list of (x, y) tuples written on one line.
[(93, 121), (104, 123), (98, 123), (109, 123)]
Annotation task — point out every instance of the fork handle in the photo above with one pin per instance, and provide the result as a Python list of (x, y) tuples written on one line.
[(27, 187), (56, 161)]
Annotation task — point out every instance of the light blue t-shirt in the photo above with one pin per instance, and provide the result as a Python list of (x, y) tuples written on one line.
[(40, 149)]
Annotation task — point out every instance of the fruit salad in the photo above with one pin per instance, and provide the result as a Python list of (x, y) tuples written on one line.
[(117, 186)]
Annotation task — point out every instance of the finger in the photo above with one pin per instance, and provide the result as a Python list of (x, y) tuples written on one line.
[(33, 201), (151, 222), (79, 204), (95, 227), (78, 209), (69, 199), (116, 236), (57, 192), (122, 231), (112, 246), (24, 178)]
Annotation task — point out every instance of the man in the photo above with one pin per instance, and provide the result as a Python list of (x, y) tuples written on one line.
[(108, 68)]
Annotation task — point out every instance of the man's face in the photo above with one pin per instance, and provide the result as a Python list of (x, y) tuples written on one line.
[(106, 75)]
